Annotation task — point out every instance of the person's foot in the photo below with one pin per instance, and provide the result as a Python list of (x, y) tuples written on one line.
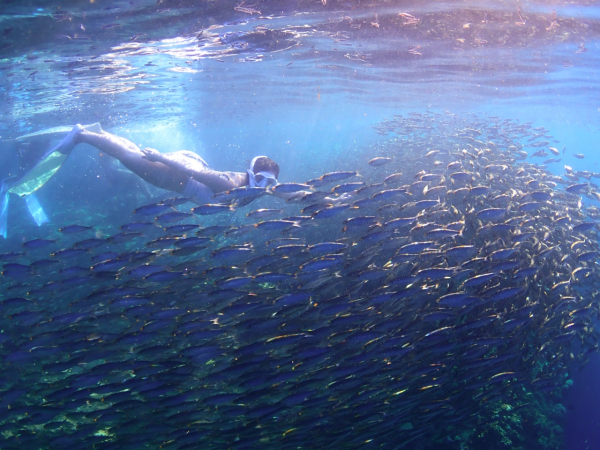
[(68, 143)]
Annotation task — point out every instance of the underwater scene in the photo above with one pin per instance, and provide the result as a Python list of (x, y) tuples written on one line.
[(307, 224)]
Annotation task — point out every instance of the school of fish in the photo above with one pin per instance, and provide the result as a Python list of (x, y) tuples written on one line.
[(377, 307)]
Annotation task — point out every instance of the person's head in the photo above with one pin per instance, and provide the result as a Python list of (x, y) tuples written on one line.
[(263, 172)]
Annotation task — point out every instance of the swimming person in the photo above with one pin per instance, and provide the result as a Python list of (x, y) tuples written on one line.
[(182, 171)]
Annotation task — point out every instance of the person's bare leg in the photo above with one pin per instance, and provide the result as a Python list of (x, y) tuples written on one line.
[(129, 154)]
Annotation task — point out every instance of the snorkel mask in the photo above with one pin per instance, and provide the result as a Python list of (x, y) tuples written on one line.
[(260, 179)]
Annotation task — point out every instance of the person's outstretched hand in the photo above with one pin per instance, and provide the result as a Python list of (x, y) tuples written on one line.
[(151, 155)]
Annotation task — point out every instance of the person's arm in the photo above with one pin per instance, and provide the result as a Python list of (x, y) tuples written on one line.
[(215, 180)]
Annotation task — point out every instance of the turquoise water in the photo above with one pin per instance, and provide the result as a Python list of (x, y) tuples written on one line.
[(308, 84)]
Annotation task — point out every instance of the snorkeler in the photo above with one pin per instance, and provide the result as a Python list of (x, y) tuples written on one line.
[(182, 171)]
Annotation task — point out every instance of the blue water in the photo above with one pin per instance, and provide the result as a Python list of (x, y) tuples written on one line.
[(583, 414), (301, 82)]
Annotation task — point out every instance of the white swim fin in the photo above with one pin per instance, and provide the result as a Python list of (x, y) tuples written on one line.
[(4, 214), (94, 127), (37, 175), (48, 164), (36, 210)]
